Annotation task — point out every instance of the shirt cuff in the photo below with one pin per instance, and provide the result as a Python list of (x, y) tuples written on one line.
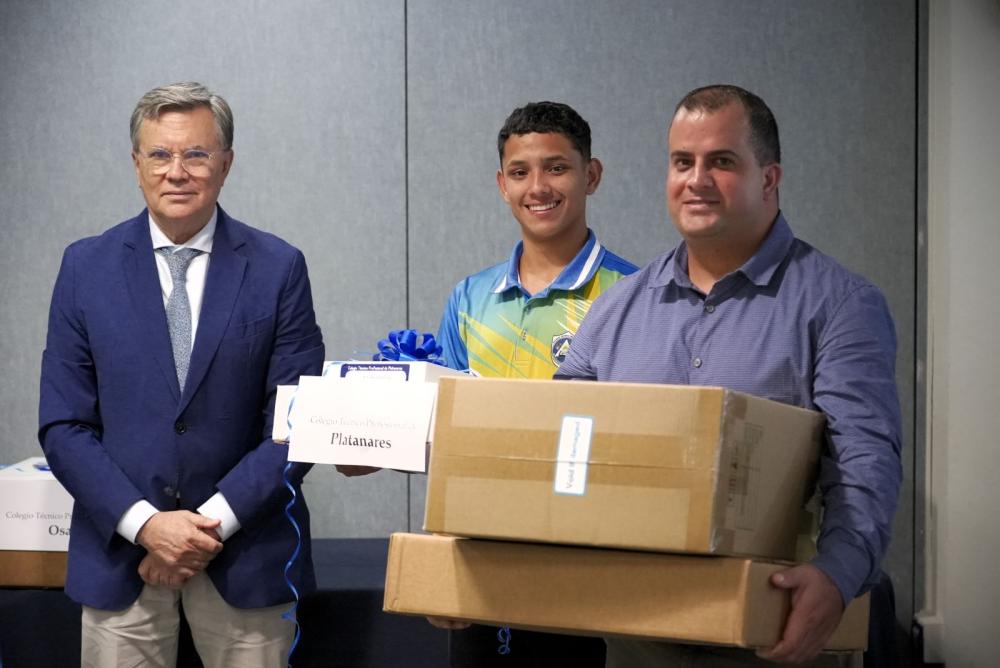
[(134, 518), (219, 509), (848, 566)]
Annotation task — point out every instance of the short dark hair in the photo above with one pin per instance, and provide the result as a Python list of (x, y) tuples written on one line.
[(546, 117), (763, 127)]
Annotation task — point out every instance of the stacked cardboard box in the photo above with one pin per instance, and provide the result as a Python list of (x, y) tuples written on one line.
[(592, 591), (698, 493)]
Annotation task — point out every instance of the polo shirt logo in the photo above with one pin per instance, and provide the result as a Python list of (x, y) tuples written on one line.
[(560, 346)]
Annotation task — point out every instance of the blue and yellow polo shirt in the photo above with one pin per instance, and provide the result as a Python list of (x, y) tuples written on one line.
[(494, 327)]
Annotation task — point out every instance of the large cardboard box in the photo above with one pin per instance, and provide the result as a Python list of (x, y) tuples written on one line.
[(590, 591), (624, 465)]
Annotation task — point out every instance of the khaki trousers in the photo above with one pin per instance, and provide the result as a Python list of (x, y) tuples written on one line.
[(145, 633)]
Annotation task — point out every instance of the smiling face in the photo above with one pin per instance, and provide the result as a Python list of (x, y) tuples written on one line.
[(546, 181), (181, 204), (716, 190)]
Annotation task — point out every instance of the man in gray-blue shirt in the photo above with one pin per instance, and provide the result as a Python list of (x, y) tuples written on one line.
[(742, 303)]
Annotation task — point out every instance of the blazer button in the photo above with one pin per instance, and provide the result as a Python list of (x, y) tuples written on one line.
[(180, 427), (170, 491)]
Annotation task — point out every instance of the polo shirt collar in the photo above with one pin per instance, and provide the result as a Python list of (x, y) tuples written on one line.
[(580, 269)]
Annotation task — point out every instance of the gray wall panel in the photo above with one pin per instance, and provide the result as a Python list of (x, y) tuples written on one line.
[(840, 78), (317, 93)]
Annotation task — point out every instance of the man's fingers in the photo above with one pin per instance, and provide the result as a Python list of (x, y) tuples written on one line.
[(205, 544), (203, 522), (213, 534), (157, 574), (816, 610), (144, 570), (790, 639), (786, 648), (786, 579)]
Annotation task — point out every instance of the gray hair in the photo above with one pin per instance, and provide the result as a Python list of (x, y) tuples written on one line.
[(182, 97)]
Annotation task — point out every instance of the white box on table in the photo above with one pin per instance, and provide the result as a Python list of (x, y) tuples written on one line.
[(35, 509)]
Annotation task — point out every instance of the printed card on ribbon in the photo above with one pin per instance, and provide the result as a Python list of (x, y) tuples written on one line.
[(362, 422)]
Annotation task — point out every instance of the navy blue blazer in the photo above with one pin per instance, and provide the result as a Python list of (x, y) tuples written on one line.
[(116, 429)]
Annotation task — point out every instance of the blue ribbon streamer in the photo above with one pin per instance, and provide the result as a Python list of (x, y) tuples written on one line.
[(503, 635), (408, 345), (290, 614)]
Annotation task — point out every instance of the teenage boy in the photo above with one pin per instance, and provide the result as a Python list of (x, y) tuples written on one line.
[(517, 319)]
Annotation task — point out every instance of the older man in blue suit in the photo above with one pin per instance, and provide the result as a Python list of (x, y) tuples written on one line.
[(167, 337)]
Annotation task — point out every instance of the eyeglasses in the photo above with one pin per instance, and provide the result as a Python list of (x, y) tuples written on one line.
[(195, 161)]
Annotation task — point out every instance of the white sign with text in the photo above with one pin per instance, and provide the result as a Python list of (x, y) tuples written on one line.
[(361, 422)]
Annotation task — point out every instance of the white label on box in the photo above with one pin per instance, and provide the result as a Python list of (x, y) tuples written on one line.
[(363, 422), (409, 371), (573, 454), (361, 370)]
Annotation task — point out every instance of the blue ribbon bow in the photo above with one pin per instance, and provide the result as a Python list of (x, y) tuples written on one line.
[(407, 345)]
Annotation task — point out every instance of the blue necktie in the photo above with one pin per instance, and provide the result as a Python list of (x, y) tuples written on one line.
[(179, 308)]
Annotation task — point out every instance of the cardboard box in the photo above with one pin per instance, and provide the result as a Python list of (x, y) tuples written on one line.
[(590, 591), (361, 414), (35, 510), (19, 568), (623, 465)]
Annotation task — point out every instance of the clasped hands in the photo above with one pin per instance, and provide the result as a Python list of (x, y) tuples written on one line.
[(179, 544)]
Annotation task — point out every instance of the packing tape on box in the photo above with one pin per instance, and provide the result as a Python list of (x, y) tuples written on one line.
[(461, 404), (577, 523)]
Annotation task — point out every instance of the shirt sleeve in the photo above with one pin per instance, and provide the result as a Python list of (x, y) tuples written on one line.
[(860, 470), (453, 348), (134, 519), (217, 508)]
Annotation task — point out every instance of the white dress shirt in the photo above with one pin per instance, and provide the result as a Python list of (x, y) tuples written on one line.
[(216, 507)]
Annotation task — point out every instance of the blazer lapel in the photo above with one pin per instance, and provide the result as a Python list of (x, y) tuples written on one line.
[(226, 268), (147, 298)]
